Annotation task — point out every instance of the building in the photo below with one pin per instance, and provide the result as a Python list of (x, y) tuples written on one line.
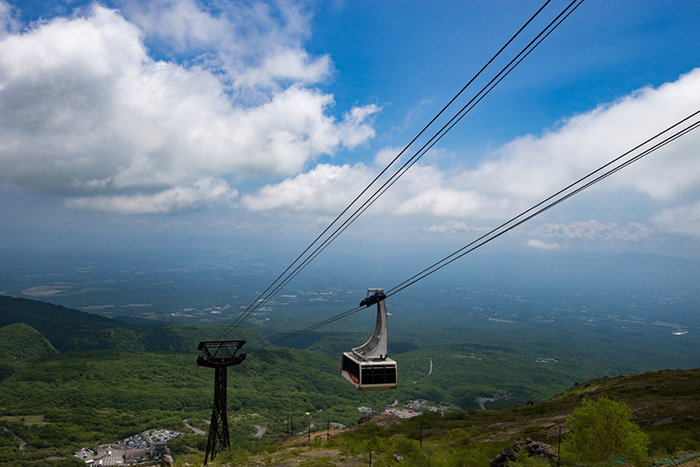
[(135, 456)]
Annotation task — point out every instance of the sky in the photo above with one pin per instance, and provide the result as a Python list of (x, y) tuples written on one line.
[(182, 119)]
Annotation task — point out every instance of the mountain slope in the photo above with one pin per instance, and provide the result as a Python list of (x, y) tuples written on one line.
[(66, 329), (20, 346), (73, 330), (665, 404)]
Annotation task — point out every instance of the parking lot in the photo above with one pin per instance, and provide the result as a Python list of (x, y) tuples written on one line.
[(114, 454), (134, 442)]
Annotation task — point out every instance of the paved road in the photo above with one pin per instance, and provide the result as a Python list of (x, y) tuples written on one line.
[(108, 455), (196, 431), (22, 444), (483, 400)]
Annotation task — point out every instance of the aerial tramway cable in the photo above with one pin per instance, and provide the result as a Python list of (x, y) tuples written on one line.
[(291, 271), (447, 127), (268, 293), (495, 233), (562, 195)]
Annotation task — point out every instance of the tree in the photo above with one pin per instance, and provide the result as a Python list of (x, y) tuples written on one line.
[(601, 430)]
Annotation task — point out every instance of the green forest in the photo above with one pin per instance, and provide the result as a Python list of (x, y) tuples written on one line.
[(71, 379)]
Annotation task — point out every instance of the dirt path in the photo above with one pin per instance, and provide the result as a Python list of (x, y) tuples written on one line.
[(691, 463)]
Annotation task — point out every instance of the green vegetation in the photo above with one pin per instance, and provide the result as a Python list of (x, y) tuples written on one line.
[(473, 438), (601, 430), (113, 380), (20, 346), (72, 330), (89, 398)]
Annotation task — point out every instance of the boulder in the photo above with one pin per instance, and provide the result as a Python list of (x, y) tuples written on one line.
[(533, 449)]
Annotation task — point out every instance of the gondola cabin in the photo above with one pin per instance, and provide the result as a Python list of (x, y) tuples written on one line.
[(369, 375), (367, 367)]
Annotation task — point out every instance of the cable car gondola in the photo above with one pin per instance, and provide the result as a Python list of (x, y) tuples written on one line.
[(367, 367)]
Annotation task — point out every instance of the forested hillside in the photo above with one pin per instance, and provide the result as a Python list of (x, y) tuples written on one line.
[(73, 330), (20, 346)]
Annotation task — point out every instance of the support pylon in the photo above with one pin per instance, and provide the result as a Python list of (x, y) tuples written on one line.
[(219, 355)]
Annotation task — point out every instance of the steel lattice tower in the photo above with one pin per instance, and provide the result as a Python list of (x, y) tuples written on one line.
[(219, 355)]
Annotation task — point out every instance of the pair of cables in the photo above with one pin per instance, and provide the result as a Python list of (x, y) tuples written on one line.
[(325, 238), (650, 145)]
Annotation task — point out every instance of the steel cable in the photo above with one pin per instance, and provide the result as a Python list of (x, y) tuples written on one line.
[(281, 280), (523, 217)]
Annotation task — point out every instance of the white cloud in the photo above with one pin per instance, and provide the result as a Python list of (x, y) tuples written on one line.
[(443, 202), (534, 167), (293, 65), (386, 155), (427, 190), (595, 231), (85, 110), (683, 219), (256, 45), (531, 168), (540, 245), (203, 192), (326, 189), (452, 227), (524, 172), (354, 125), (8, 20), (183, 24)]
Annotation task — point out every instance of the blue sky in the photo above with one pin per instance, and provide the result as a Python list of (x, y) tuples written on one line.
[(171, 119)]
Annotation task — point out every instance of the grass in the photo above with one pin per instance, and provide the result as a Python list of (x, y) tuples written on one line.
[(25, 419)]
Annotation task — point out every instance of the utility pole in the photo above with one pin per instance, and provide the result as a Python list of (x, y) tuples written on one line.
[(559, 449), (421, 434), (219, 355)]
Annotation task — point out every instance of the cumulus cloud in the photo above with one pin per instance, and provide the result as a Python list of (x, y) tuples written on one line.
[(203, 192), (531, 168), (540, 245), (326, 189), (86, 111), (8, 20), (256, 45), (452, 227), (443, 202), (596, 231), (183, 24), (294, 65), (386, 155), (684, 219)]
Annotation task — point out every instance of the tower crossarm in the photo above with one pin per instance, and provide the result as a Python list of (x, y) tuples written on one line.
[(220, 353)]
